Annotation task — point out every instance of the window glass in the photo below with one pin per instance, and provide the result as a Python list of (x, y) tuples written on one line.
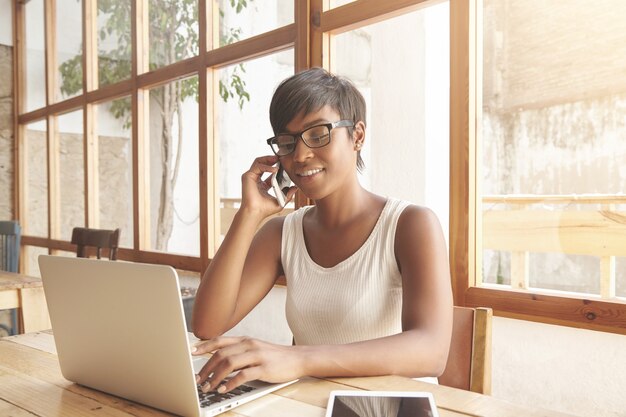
[(35, 59), (173, 33), (71, 174), (115, 168), (114, 43), (69, 45), (174, 173), (241, 19), (337, 3), (620, 278), (31, 254), (552, 128), (406, 149), (36, 181), (243, 124)]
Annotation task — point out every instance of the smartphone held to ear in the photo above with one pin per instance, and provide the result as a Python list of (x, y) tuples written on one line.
[(280, 184)]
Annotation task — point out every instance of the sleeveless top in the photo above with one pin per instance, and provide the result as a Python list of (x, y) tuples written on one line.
[(358, 299)]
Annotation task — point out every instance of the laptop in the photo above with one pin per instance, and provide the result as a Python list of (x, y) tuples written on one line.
[(119, 327)]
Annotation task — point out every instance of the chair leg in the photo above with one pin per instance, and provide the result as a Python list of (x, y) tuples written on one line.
[(14, 329)]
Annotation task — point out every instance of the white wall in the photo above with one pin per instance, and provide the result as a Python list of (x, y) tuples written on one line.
[(578, 371)]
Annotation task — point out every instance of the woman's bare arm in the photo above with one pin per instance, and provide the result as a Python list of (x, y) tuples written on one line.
[(247, 263), (420, 350)]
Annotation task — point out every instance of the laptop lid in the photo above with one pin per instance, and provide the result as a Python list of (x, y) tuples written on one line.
[(119, 327)]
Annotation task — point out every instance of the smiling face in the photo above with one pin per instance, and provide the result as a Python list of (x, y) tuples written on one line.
[(320, 172)]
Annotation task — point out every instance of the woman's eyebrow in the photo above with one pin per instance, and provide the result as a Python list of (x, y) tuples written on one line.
[(312, 123)]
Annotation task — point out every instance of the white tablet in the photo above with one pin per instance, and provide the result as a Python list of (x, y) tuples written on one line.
[(381, 404)]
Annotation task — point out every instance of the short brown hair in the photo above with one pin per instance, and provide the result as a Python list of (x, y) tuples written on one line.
[(309, 91)]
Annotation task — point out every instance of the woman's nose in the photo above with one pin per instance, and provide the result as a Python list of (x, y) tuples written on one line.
[(302, 152)]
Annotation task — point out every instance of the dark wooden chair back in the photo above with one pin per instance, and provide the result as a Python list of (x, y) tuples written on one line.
[(469, 360), (10, 234), (100, 239)]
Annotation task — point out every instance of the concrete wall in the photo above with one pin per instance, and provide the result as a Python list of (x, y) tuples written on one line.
[(6, 132), (577, 371)]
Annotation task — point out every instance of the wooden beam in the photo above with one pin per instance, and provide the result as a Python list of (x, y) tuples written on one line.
[(103, 94), (569, 309), (19, 93), (596, 233), (302, 19), (254, 47), (463, 248), (140, 102), (367, 12)]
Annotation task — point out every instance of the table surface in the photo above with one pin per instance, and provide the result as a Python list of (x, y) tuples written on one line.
[(31, 384), (12, 280)]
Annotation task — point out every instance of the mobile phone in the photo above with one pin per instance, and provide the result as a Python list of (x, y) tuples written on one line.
[(280, 184)]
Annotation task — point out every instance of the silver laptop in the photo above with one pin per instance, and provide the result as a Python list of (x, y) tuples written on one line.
[(119, 327)]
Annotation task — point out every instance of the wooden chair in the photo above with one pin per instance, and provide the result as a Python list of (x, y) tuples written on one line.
[(469, 360), (10, 234), (83, 238)]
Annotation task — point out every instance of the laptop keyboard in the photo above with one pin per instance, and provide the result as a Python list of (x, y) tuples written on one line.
[(213, 397)]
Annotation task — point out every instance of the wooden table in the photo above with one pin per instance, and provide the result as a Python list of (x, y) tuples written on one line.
[(26, 294), (31, 384)]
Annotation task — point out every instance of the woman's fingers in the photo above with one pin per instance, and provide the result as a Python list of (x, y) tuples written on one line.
[(225, 359), (264, 164), (225, 365)]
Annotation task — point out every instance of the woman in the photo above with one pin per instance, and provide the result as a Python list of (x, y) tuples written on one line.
[(368, 283)]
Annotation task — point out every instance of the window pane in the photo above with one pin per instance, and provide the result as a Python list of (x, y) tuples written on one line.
[(36, 181), (71, 174), (407, 93), (34, 61), (244, 125), (174, 173), (114, 44), (115, 168), (173, 33), (337, 3), (69, 48), (32, 264), (241, 20), (620, 276), (553, 123)]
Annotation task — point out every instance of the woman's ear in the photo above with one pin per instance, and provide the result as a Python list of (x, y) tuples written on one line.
[(358, 135)]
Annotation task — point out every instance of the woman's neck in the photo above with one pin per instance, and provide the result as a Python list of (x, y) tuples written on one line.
[(345, 206)]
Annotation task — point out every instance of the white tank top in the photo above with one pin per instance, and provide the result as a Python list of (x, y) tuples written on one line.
[(358, 299)]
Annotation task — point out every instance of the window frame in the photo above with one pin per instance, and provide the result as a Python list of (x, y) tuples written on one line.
[(581, 311), (310, 36)]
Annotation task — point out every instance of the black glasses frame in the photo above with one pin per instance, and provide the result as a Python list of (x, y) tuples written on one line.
[(330, 126)]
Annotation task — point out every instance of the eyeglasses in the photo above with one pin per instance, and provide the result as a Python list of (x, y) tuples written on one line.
[(313, 137)]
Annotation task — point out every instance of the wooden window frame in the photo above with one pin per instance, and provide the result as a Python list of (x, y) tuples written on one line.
[(310, 36), (550, 307)]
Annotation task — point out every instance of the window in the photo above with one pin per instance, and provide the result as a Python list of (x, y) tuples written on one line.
[(407, 102), (539, 198), (123, 103)]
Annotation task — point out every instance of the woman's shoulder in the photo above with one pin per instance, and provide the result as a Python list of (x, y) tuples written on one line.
[(414, 215), (417, 224)]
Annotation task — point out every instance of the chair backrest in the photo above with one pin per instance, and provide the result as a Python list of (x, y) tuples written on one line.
[(469, 360), (83, 237), (10, 233)]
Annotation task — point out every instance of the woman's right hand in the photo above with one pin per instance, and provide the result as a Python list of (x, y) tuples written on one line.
[(255, 196)]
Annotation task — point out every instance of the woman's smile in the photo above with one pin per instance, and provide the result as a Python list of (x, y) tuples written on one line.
[(309, 172)]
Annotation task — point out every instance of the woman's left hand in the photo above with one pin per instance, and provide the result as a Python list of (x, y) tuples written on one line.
[(252, 358)]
